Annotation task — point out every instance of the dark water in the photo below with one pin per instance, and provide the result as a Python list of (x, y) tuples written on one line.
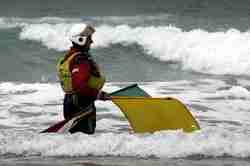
[(124, 161), (224, 13), (39, 8)]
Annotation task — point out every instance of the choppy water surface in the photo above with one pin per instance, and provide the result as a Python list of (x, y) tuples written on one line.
[(220, 106), (196, 51)]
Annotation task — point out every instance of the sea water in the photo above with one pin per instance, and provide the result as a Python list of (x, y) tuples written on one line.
[(195, 51)]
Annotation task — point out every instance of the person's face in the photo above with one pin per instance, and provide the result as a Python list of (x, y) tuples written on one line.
[(89, 41)]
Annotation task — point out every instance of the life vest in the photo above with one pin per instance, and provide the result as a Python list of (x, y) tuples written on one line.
[(64, 74)]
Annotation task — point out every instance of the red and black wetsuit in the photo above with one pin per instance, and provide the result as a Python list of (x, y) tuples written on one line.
[(83, 99)]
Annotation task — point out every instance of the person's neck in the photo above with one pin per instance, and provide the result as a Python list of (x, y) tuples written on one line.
[(80, 48)]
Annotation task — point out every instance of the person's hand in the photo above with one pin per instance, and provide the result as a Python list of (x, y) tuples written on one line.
[(103, 96)]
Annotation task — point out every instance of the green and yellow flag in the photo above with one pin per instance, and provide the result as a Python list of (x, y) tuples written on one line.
[(148, 114)]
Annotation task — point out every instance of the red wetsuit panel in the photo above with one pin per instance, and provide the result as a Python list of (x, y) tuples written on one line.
[(80, 75)]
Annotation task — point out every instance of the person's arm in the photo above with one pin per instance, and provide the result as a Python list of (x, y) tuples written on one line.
[(103, 96), (80, 71)]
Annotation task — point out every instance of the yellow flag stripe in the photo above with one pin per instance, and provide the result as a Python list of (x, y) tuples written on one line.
[(148, 114)]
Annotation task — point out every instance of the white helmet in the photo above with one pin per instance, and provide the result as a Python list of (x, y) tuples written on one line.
[(80, 32)]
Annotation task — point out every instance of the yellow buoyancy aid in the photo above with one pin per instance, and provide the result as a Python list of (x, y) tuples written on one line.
[(96, 81)]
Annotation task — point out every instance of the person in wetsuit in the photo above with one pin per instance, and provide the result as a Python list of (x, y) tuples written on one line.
[(81, 80)]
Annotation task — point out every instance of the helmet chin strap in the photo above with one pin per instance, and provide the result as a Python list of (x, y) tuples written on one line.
[(83, 48)]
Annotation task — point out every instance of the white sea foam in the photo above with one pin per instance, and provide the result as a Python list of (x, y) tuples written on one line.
[(198, 50), (209, 142), (208, 52), (224, 121), (238, 92), (42, 100), (37, 93)]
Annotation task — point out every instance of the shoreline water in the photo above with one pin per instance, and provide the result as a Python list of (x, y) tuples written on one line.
[(123, 161)]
